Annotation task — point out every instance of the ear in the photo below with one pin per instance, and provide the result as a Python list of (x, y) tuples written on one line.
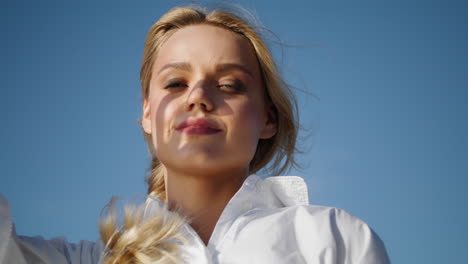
[(146, 117), (271, 125)]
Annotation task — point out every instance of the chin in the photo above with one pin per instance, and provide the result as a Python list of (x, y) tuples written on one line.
[(206, 165)]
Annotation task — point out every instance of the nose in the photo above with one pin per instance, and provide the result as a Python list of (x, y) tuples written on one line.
[(199, 97)]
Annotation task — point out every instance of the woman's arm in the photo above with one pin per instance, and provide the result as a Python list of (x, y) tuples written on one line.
[(21, 249)]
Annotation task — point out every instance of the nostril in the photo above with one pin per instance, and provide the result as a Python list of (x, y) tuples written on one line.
[(201, 105), (198, 98)]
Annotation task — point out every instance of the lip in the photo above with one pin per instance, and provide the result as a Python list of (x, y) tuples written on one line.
[(198, 126)]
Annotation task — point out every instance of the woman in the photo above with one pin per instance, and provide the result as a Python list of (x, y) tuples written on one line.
[(215, 111)]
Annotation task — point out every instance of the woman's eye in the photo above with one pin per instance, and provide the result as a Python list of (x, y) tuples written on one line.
[(175, 85), (231, 87)]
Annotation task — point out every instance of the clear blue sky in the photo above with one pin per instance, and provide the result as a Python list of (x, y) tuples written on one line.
[(386, 140)]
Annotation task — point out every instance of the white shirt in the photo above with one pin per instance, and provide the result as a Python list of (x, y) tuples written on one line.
[(266, 221)]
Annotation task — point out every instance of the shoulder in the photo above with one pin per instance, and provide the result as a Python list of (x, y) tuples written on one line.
[(329, 221), (304, 234), (336, 219), (352, 239)]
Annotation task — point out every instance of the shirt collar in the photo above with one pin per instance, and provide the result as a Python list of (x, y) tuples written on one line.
[(256, 193)]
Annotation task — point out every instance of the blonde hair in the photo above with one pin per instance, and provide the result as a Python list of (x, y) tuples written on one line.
[(277, 151), (141, 239)]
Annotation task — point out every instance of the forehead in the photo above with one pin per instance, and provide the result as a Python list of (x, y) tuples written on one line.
[(205, 46)]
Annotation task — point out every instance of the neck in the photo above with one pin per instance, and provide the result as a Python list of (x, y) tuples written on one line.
[(202, 197)]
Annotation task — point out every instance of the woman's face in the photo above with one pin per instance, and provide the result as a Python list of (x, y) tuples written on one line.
[(206, 109)]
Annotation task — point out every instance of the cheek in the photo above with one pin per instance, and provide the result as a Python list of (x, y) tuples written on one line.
[(253, 111), (248, 121), (246, 132), (162, 111)]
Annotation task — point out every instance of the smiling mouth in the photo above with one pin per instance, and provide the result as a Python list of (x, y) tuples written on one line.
[(199, 131), (198, 126)]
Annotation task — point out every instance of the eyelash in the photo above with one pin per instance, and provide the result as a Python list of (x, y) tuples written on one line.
[(234, 88), (175, 84)]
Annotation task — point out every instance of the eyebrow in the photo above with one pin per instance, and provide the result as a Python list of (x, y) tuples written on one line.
[(233, 66), (225, 67), (184, 66)]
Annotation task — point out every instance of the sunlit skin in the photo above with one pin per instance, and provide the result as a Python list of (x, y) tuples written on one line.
[(206, 112)]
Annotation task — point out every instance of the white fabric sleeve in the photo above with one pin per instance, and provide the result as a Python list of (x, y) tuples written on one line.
[(21, 249), (331, 235), (356, 241)]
